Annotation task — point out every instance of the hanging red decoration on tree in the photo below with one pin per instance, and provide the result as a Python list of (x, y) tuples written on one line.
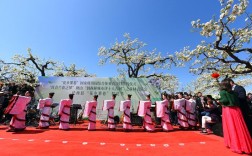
[(215, 75)]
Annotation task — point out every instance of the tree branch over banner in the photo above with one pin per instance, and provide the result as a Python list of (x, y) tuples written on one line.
[(71, 71), (134, 61), (42, 67)]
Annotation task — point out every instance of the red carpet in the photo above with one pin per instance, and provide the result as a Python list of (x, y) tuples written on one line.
[(79, 141)]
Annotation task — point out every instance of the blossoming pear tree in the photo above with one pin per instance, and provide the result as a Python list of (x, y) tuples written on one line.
[(226, 48), (26, 69), (134, 61), (71, 71)]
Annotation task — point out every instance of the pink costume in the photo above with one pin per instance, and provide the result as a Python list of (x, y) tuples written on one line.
[(190, 111), (19, 112), (109, 105), (45, 107), (163, 113), (64, 113), (90, 112), (125, 107), (179, 105), (236, 134), (144, 111)]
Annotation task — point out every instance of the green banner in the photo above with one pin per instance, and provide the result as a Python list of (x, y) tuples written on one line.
[(84, 89)]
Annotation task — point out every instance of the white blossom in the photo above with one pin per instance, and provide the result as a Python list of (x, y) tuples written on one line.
[(133, 60), (221, 35)]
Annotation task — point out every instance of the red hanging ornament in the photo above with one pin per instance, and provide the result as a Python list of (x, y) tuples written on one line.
[(215, 75)]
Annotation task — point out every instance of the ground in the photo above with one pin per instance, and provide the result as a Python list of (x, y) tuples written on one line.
[(79, 141)]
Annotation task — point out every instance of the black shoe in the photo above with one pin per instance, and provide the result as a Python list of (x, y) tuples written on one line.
[(196, 128), (127, 130), (180, 127), (112, 129), (65, 129), (10, 130), (39, 127)]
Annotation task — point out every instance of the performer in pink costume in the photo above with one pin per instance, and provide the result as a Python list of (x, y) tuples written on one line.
[(45, 107), (125, 107), (18, 111), (64, 112), (109, 105), (144, 111), (163, 113), (90, 112), (179, 105), (190, 111)]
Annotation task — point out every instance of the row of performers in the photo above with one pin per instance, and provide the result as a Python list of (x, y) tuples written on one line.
[(185, 108)]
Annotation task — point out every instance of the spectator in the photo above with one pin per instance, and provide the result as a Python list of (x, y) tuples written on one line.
[(209, 97), (236, 134), (212, 115), (13, 88), (23, 88), (200, 103), (1, 85), (1, 105), (5, 88), (249, 101), (173, 112), (241, 93)]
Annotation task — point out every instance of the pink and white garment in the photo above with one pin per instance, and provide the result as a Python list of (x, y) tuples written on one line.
[(64, 113), (45, 106), (163, 113), (190, 111), (144, 111), (90, 112), (125, 107), (19, 112), (109, 105), (179, 105)]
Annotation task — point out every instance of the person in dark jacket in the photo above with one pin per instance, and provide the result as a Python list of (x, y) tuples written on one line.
[(242, 96), (236, 134)]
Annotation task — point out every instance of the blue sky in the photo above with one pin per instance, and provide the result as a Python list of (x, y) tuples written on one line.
[(72, 31)]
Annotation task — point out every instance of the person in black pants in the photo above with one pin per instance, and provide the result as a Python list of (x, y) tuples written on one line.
[(200, 104)]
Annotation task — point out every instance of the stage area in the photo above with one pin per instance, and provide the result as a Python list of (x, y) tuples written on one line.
[(80, 142)]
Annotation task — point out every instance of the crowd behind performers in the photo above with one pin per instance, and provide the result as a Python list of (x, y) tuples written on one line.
[(197, 112), (205, 105), (7, 90)]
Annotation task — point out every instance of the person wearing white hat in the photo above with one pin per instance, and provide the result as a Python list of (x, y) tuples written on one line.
[(125, 107), (163, 113), (180, 106), (17, 108), (64, 112), (90, 112), (45, 107), (144, 111), (109, 106)]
